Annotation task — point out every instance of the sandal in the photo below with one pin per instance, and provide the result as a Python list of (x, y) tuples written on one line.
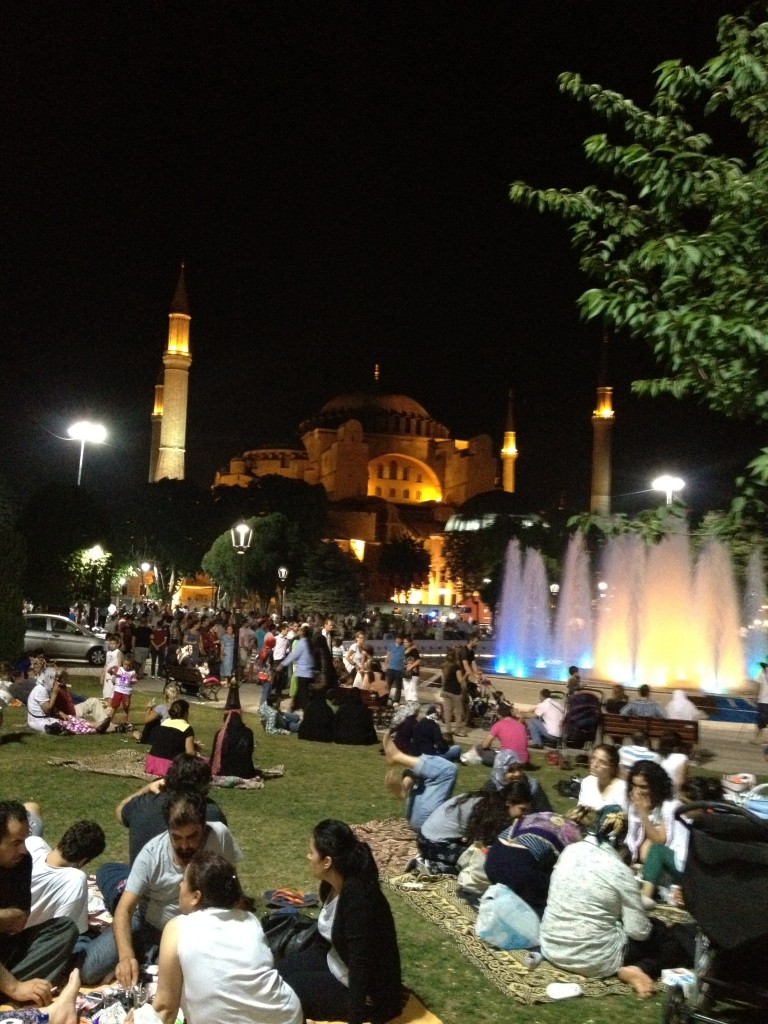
[(289, 898)]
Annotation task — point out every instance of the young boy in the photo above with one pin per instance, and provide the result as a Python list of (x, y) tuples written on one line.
[(112, 665)]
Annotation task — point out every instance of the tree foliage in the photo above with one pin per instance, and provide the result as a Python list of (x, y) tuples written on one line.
[(330, 582), (678, 252), (404, 563), (276, 541), (12, 564)]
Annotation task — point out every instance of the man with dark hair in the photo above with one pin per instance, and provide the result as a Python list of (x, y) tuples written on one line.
[(30, 958), (143, 814), (59, 885), (642, 705), (151, 896)]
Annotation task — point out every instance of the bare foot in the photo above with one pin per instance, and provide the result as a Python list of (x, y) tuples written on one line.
[(62, 1010), (637, 980), (390, 748), (397, 785)]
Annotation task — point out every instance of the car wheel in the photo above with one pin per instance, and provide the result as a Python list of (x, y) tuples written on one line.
[(97, 656)]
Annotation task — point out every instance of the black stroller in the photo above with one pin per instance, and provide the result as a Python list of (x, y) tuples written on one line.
[(725, 888)]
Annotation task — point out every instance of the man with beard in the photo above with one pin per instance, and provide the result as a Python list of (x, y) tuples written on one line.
[(151, 896), (30, 958)]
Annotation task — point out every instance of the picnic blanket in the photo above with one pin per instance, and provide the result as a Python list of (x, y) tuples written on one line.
[(130, 763), (392, 842), (414, 1012), (437, 901)]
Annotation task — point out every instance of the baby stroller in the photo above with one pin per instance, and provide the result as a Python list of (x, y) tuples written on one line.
[(725, 887)]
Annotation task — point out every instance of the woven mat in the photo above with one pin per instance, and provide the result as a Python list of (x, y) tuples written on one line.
[(392, 841), (414, 1012), (130, 763), (439, 904)]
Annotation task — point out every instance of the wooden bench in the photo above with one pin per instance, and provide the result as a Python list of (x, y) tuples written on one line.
[(654, 728), (191, 682)]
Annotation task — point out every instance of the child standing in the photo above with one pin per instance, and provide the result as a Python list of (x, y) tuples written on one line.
[(124, 680), (112, 665)]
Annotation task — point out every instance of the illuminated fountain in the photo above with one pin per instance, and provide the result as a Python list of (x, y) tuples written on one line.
[(659, 617)]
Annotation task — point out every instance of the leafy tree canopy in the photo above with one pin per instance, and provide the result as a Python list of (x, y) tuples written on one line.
[(276, 541), (404, 563), (303, 503), (678, 251), (330, 582)]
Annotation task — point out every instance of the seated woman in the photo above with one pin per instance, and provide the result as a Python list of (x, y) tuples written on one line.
[(594, 922), (510, 733), (666, 863), (214, 961), (523, 855), (603, 786), (232, 751), (651, 811), (427, 737), (674, 760), (506, 769), (358, 978), (375, 681), (41, 714), (317, 723), (175, 736), (353, 723), (456, 823), (156, 714)]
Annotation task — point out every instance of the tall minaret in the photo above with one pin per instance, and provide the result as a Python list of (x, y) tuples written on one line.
[(157, 419), (509, 449), (602, 424), (173, 399)]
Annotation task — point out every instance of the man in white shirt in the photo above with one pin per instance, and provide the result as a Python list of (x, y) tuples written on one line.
[(546, 725), (59, 885), (638, 750), (762, 699), (151, 895), (354, 657)]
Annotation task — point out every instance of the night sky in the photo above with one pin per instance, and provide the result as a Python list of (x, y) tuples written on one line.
[(336, 177)]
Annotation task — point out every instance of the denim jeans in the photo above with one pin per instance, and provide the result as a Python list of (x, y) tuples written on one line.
[(539, 735), (434, 779), (101, 954)]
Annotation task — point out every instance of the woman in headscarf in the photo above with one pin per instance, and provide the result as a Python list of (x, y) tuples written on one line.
[(594, 922), (506, 769), (41, 716), (232, 752), (681, 708)]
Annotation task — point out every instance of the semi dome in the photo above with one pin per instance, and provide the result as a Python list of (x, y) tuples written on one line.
[(482, 510)]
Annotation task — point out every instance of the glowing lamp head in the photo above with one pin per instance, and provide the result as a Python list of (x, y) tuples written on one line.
[(84, 430)]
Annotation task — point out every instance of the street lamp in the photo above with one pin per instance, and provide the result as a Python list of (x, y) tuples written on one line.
[(282, 575), (241, 535), (83, 431), (668, 485)]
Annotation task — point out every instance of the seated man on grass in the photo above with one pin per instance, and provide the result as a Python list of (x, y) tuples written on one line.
[(31, 959), (151, 896), (425, 782)]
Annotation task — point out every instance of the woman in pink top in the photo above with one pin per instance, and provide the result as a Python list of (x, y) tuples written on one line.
[(511, 734)]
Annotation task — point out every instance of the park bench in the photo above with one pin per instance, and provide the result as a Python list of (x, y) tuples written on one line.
[(191, 682), (619, 726)]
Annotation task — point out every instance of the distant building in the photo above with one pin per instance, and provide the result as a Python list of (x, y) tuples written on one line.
[(390, 470)]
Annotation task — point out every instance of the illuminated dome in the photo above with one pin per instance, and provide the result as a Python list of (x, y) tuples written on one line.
[(400, 405), (378, 413)]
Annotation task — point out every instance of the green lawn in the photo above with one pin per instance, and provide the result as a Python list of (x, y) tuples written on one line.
[(273, 825)]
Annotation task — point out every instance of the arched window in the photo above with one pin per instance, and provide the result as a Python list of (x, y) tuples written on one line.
[(378, 492), (393, 470), (406, 473), (418, 495), (391, 492), (406, 493), (418, 478), (380, 472)]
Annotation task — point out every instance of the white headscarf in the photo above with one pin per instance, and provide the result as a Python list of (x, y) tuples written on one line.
[(681, 708)]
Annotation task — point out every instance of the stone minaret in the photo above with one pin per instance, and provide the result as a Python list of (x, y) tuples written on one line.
[(602, 424), (509, 449), (157, 419), (172, 413)]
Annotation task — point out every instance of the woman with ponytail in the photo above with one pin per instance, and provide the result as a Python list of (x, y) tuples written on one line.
[(214, 961), (358, 978)]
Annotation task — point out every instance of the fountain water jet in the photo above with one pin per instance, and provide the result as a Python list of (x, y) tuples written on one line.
[(660, 619)]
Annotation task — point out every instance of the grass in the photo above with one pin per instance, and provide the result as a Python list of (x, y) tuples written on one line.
[(273, 825)]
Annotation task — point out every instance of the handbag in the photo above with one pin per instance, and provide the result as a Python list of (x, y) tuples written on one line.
[(290, 933), (263, 676)]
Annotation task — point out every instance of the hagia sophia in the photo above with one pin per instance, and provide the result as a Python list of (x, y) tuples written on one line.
[(389, 469)]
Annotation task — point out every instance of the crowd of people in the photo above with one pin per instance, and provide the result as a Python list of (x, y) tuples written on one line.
[(589, 878)]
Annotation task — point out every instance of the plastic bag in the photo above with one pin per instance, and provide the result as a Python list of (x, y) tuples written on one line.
[(505, 921)]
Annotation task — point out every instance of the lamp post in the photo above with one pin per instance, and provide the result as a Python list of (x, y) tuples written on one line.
[(83, 431), (282, 575), (668, 485), (94, 556), (241, 535), (145, 567)]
